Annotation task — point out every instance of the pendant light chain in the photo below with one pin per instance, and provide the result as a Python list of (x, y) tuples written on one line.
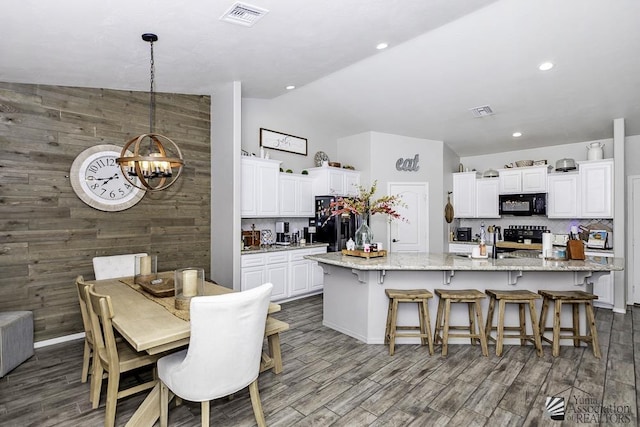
[(152, 94)]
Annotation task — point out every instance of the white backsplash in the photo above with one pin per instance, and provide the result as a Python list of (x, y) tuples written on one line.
[(555, 226)]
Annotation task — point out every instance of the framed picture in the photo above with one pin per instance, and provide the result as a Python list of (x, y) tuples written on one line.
[(283, 142)]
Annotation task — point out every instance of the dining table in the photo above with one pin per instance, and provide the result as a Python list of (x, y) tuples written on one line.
[(151, 324)]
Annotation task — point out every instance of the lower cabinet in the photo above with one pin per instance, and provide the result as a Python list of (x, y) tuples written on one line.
[(291, 274), (603, 287)]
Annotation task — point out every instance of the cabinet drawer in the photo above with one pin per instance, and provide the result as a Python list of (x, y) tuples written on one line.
[(316, 251), (299, 254), (252, 260), (278, 257)]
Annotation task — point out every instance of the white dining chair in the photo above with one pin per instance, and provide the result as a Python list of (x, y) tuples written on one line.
[(110, 267), (223, 357)]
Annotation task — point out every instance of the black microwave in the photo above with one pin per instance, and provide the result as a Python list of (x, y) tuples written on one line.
[(523, 204)]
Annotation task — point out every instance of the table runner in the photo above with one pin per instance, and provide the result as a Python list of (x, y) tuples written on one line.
[(169, 302)]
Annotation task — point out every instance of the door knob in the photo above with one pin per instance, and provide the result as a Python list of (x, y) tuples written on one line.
[(395, 240)]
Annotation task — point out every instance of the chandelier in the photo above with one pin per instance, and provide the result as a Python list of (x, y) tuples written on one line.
[(151, 161)]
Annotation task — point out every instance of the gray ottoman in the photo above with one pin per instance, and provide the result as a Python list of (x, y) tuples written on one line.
[(16, 339)]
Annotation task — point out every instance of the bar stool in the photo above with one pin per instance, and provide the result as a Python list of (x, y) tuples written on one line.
[(476, 326), (575, 298), (520, 297), (419, 296)]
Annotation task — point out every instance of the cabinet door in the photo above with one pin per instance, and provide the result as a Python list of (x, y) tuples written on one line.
[(252, 277), (534, 180), (248, 190), (299, 277), (267, 190), (336, 182), (278, 274), (351, 183), (596, 189), (487, 198), (288, 199), (305, 200), (510, 181), (603, 287), (562, 200), (464, 195)]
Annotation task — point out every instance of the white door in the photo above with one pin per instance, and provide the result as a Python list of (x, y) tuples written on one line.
[(633, 268), (412, 235)]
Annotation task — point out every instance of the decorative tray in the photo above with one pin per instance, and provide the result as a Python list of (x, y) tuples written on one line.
[(163, 289), (363, 254)]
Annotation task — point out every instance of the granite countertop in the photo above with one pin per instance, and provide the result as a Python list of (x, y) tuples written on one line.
[(460, 262), (279, 248)]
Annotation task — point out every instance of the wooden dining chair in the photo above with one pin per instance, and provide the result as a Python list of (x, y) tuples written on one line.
[(112, 357), (224, 352), (86, 323), (113, 266)]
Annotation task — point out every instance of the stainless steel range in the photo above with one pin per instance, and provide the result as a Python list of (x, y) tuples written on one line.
[(518, 233)]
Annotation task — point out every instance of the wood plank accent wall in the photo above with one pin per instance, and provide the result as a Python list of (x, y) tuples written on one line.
[(48, 236)]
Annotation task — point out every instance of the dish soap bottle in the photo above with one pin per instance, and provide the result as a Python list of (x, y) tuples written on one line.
[(483, 245)]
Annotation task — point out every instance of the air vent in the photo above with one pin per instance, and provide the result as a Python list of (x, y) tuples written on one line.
[(243, 14), (482, 111)]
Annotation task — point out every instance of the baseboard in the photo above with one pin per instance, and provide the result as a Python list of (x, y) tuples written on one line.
[(58, 340)]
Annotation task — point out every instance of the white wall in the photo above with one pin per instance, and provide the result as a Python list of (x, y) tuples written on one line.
[(273, 115), (551, 154), (632, 155), (383, 150)]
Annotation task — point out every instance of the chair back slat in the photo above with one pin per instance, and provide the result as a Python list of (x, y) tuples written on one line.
[(102, 328)]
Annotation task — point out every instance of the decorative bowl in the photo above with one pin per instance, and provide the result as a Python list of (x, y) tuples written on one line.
[(522, 163)]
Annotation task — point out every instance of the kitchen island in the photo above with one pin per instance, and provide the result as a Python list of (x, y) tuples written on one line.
[(356, 305)]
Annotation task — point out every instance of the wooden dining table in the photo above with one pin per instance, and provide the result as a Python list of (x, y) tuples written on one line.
[(149, 326)]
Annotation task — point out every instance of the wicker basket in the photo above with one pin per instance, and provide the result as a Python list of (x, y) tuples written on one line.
[(521, 163)]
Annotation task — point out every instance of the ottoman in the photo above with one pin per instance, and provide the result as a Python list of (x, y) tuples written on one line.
[(16, 339)]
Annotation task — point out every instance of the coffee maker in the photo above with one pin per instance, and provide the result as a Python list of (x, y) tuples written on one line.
[(282, 233)]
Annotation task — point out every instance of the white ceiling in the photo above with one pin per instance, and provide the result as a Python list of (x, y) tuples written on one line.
[(445, 56)]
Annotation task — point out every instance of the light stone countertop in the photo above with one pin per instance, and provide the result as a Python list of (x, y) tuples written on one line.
[(280, 248), (455, 262)]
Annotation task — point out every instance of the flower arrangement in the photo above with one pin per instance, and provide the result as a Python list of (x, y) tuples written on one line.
[(363, 204)]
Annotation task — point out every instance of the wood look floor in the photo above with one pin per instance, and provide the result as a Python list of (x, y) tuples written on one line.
[(330, 379)]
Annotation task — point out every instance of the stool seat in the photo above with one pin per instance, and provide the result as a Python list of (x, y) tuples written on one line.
[(521, 297), (419, 296), (574, 298), (476, 328)]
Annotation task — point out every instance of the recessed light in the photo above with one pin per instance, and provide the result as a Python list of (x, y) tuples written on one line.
[(290, 87), (545, 66), (381, 46), (517, 134)]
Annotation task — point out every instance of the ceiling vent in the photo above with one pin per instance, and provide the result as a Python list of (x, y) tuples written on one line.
[(243, 14), (482, 111)]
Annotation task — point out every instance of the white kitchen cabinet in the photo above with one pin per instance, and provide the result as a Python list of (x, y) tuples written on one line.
[(487, 191), (464, 195), (291, 274), (259, 187), (563, 195), (474, 197), (596, 188), (296, 195), (530, 179), (603, 285), (334, 181)]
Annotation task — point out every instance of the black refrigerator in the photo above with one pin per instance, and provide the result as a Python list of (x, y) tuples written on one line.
[(334, 230)]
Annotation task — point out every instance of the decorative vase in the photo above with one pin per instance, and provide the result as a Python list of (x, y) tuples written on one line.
[(363, 233)]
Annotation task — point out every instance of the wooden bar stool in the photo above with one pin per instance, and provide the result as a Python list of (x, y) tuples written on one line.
[(419, 296), (476, 326), (575, 298), (522, 298)]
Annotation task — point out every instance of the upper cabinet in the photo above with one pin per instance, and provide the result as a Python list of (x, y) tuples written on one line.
[(474, 197), (296, 195), (585, 194), (259, 187), (335, 181), (530, 179), (596, 188)]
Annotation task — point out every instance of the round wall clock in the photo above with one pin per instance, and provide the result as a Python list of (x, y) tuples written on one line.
[(320, 157), (98, 181)]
